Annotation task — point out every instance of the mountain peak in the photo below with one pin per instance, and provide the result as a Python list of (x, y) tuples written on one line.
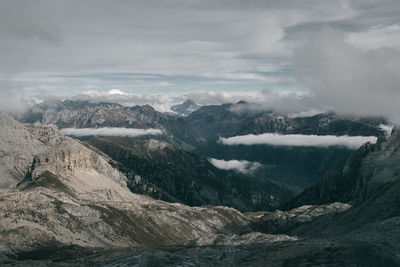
[(7, 120), (185, 108)]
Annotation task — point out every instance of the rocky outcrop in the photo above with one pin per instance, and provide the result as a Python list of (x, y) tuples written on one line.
[(166, 172), (229, 120), (367, 170), (59, 192), (284, 222), (82, 114), (185, 108), (64, 203)]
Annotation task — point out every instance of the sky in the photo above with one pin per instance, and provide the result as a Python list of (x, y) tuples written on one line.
[(305, 54)]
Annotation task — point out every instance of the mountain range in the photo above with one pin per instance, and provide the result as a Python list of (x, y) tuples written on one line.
[(166, 172), (181, 171), (70, 202)]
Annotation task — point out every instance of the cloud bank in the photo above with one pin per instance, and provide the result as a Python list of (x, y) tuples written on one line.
[(235, 45), (110, 131), (284, 101), (352, 142), (347, 78), (160, 102), (242, 166)]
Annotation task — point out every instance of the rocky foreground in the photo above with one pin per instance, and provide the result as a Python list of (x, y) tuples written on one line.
[(62, 203)]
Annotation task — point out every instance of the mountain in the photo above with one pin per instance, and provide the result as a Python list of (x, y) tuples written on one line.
[(56, 192), (299, 167), (366, 171), (83, 114), (229, 120), (63, 203), (363, 233), (166, 172), (185, 108)]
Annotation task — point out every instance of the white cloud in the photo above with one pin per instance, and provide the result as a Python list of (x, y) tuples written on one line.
[(163, 84), (285, 100), (242, 166), (386, 128), (110, 131), (305, 113), (352, 142), (376, 37), (160, 102), (291, 101), (348, 79), (116, 92), (233, 40)]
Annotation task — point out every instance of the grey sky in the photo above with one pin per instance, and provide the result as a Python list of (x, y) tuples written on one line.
[(157, 46)]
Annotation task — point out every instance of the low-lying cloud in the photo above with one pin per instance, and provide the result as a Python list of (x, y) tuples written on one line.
[(352, 142), (242, 166), (291, 101), (110, 131), (160, 102)]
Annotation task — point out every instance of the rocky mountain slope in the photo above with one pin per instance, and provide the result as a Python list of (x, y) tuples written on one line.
[(83, 114), (58, 192), (299, 167), (166, 172), (62, 203), (185, 108), (366, 171), (364, 234), (229, 120)]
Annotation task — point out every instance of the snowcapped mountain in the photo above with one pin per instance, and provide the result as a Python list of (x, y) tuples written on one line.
[(185, 108)]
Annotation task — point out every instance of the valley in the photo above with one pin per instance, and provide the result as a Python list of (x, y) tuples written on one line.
[(142, 199)]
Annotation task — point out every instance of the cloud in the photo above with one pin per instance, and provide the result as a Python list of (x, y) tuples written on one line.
[(352, 142), (287, 101), (217, 98), (386, 128), (192, 46), (116, 92), (110, 131), (305, 113), (228, 41), (257, 101), (376, 37), (348, 79), (160, 102), (243, 166)]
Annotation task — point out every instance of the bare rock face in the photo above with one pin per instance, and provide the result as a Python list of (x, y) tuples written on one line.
[(365, 173), (285, 221), (19, 144), (82, 114), (57, 191), (236, 240)]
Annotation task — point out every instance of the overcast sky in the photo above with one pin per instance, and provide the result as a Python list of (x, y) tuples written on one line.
[(187, 46)]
